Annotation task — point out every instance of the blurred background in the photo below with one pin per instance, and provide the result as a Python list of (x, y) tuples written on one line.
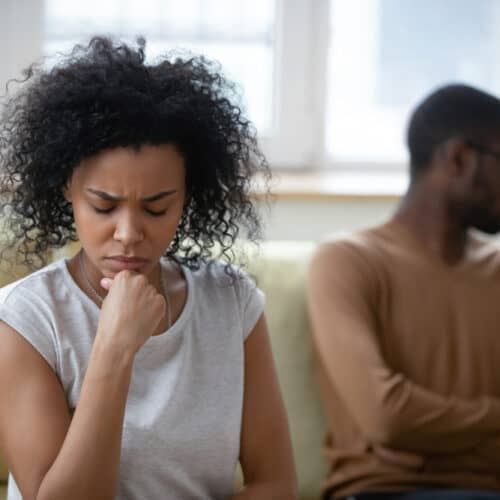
[(329, 84)]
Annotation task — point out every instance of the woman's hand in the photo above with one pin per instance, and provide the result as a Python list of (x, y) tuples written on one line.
[(131, 311)]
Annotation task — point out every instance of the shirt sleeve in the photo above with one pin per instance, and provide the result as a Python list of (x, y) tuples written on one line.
[(252, 301), (24, 311), (390, 409)]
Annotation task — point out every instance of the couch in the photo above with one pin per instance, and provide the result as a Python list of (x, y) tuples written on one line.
[(279, 269)]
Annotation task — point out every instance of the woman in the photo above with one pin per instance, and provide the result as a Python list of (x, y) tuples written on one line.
[(139, 368)]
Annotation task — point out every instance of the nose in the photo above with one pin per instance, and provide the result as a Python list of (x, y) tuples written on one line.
[(128, 229)]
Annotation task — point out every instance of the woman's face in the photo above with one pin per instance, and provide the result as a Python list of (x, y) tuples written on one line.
[(127, 205)]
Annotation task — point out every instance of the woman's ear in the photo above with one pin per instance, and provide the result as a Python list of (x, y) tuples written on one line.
[(67, 192)]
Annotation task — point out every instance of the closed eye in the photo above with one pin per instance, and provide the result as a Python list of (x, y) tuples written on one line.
[(103, 210), (150, 212), (156, 214)]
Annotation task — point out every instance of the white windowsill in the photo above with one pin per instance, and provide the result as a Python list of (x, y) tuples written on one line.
[(329, 184)]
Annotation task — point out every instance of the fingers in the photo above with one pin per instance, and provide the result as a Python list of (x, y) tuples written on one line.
[(106, 283)]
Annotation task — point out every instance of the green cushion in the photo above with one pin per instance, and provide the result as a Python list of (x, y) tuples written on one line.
[(3, 491)]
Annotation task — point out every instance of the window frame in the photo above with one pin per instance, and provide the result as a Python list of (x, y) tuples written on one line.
[(296, 140), (297, 130)]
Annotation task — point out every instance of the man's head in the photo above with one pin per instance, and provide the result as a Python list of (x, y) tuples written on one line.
[(454, 139)]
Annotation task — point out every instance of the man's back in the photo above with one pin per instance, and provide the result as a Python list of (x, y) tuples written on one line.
[(409, 354)]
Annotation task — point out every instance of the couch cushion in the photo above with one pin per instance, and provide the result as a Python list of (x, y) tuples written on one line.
[(3, 491), (280, 271)]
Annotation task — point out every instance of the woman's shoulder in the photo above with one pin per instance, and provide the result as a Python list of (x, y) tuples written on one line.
[(229, 289), (221, 279), (220, 273), (29, 306), (36, 283)]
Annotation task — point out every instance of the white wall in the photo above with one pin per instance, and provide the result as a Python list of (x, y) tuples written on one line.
[(288, 219), (306, 219), (20, 37)]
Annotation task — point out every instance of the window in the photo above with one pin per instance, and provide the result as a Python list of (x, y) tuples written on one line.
[(263, 45), (385, 55), (238, 33), (328, 83), (272, 48)]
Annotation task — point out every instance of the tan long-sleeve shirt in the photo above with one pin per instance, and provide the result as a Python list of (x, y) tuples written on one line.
[(409, 352)]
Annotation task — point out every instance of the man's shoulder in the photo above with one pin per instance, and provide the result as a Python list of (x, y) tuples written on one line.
[(358, 257), (365, 243)]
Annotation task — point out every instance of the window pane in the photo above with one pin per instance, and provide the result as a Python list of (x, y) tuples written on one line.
[(385, 55), (240, 34)]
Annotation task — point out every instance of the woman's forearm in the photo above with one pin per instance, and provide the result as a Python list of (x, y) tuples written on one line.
[(88, 462)]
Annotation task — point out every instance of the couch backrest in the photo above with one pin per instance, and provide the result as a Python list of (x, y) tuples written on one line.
[(279, 269)]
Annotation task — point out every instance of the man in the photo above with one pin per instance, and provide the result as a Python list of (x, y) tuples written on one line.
[(407, 321)]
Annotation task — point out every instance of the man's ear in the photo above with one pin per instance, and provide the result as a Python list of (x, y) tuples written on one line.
[(459, 158)]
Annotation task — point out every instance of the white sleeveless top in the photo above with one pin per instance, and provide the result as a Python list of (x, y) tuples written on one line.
[(183, 415)]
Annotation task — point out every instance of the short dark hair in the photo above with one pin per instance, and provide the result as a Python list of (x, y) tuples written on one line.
[(104, 95), (452, 111)]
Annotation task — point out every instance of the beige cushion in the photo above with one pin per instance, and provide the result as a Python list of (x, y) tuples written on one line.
[(280, 271)]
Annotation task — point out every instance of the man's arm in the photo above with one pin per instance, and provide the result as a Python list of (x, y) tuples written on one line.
[(484, 459), (391, 410)]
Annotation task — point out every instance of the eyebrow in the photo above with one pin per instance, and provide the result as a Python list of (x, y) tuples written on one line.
[(109, 197)]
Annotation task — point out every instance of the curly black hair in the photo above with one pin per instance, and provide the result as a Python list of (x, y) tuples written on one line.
[(104, 95)]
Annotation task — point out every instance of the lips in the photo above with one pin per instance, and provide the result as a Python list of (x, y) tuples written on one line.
[(121, 262)]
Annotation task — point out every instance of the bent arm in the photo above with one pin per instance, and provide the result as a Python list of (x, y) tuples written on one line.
[(265, 449), (50, 455), (484, 459), (391, 410)]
